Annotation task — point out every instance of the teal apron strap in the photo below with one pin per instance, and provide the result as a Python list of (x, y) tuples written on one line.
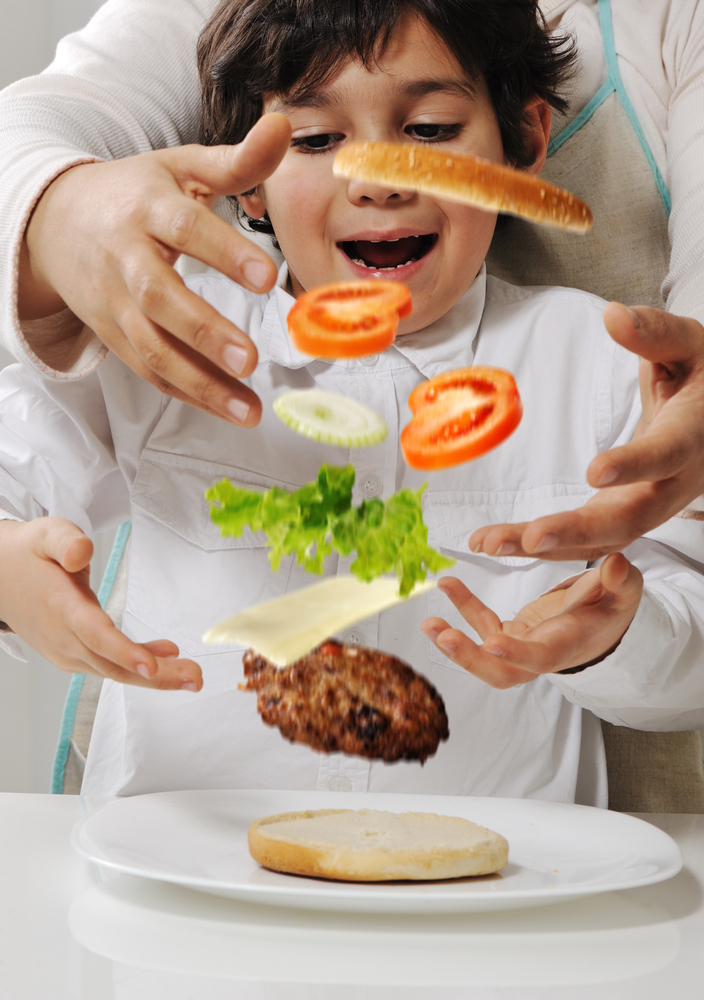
[(582, 118), (607, 37), (614, 84), (76, 685)]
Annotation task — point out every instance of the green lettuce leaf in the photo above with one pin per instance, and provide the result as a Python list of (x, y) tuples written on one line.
[(387, 536)]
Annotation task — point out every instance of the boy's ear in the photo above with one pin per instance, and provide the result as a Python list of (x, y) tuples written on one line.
[(538, 116), (253, 203)]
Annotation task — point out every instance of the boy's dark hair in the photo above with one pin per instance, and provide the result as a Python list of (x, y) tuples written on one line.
[(253, 48)]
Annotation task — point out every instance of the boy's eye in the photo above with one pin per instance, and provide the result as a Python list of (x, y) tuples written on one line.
[(432, 132), (317, 143)]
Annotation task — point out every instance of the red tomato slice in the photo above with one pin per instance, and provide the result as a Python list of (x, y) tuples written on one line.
[(348, 319), (459, 415)]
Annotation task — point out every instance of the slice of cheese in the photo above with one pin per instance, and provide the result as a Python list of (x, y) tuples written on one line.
[(288, 627)]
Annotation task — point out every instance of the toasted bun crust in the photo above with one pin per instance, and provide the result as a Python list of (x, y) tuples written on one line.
[(366, 845), (468, 179)]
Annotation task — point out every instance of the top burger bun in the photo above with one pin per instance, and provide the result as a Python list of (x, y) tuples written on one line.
[(366, 845), (468, 179)]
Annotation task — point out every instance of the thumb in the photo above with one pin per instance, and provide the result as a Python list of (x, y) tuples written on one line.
[(654, 334), (621, 578), (67, 545), (230, 170)]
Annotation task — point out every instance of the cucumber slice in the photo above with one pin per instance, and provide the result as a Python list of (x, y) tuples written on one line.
[(331, 418)]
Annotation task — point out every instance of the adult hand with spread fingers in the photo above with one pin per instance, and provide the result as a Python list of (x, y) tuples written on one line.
[(575, 625), (128, 221), (647, 481)]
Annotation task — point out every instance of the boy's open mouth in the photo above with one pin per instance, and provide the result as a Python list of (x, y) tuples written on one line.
[(387, 255)]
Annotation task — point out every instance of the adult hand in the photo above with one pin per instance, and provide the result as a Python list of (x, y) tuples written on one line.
[(576, 624), (102, 241), (46, 599), (646, 481)]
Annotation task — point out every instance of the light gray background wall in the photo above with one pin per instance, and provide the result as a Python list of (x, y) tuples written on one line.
[(31, 29), (32, 694)]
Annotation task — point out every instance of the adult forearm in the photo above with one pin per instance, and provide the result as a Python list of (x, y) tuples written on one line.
[(104, 97)]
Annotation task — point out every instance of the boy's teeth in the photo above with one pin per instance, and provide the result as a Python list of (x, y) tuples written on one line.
[(358, 260)]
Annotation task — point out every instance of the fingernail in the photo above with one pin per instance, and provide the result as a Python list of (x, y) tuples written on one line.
[(477, 547), (506, 549), (546, 543), (143, 671), (432, 633), (607, 476), (494, 650), (238, 409), (449, 647), (189, 686), (255, 273), (634, 316), (235, 358)]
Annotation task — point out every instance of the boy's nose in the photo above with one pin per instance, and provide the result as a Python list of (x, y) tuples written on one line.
[(361, 192)]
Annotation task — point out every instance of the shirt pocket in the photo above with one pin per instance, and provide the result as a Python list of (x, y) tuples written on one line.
[(505, 584), (184, 576)]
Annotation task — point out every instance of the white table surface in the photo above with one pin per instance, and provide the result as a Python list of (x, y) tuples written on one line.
[(67, 935)]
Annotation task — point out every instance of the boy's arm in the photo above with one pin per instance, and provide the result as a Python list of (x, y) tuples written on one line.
[(45, 598), (654, 680), (629, 636), (59, 478), (570, 627)]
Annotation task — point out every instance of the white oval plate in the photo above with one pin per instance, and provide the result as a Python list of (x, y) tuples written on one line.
[(198, 839)]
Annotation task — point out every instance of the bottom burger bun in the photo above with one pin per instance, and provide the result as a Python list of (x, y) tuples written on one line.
[(366, 845)]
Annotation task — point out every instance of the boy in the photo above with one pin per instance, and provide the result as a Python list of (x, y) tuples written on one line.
[(111, 446)]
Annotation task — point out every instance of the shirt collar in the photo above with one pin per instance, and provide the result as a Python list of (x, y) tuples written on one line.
[(447, 343), (273, 342)]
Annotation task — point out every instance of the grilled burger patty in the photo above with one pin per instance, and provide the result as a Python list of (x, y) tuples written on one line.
[(348, 699)]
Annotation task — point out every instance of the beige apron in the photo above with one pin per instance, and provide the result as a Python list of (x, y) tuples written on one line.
[(604, 158)]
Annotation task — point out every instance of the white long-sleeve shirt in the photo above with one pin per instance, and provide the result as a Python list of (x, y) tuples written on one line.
[(106, 96), (111, 447)]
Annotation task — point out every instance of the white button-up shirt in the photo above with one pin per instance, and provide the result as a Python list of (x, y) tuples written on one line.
[(111, 447)]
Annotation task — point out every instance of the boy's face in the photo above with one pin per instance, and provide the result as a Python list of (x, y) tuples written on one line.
[(332, 229)]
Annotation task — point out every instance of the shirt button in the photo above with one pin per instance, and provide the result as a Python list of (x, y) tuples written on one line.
[(340, 784), (369, 360), (372, 486), (352, 637)]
